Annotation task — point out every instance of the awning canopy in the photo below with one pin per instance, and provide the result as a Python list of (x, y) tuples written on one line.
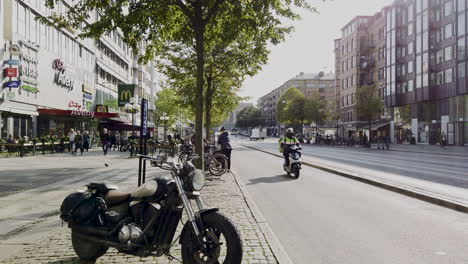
[(76, 113)]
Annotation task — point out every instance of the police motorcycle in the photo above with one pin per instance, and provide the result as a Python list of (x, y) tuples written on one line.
[(144, 222), (295, 165)]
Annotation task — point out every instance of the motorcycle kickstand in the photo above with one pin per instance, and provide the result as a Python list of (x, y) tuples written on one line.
[(171, 258)]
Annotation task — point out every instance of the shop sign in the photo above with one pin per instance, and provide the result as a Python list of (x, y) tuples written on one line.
[(87, 88), (88, 96), (144, 117), (15, 49), (82, 113), (126, 91), (102, 109), (29, 44), (10, 72), (58, 64), (65, 80), (29, 58), (73, 104), (12, 62), (28, 88), (29, 80), (12, 84), (28, 71)]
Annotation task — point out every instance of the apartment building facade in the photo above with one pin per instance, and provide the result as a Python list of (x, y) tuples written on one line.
[(360, 61), (426, 70), (54, 81), (323, 83)]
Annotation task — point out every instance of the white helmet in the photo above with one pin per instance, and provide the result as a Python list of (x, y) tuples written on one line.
[(290, 130)]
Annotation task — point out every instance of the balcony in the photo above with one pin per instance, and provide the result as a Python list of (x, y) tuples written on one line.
[(368, 63)]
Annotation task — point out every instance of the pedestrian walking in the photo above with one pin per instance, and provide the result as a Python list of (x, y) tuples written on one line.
[(123, 142), (112, 141), (105, 139), (71, 140), (443, 140), (226, 147), (117, 140), (86, 140), (78, 143)]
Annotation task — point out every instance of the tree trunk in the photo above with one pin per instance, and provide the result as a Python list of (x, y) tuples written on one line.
[(208, 106), (199, 46)]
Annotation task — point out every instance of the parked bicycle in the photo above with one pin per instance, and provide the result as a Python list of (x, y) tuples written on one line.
[(215, 162)]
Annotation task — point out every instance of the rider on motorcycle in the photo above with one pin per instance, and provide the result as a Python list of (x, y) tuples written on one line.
[(285, 142)]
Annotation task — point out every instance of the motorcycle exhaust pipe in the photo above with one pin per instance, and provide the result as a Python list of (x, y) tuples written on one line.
[(101, 241)]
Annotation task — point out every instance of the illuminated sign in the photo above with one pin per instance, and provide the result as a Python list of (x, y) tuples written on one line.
[(73, 104), (102, 109), (10, 72)]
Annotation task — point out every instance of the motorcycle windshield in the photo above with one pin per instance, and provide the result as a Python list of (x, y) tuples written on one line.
[(295, 156)]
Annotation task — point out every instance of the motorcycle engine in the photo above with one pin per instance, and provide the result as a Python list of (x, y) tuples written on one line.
[(130, 233)]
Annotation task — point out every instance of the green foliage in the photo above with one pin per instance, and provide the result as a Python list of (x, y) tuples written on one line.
[(368, 103), (405, 113), (290, 107), (316, 108), (112, 103), (250, 117), (168, 102)]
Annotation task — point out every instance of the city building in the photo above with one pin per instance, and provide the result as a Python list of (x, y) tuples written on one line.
[(416, 55), (307, 83), (230, 123), (360, 61), (54, 81), (426, 70)]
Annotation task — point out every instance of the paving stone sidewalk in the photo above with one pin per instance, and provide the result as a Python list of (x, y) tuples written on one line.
[(223, 193)]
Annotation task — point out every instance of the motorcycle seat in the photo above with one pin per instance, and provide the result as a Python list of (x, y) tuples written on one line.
[(116, 196), (102, 187)]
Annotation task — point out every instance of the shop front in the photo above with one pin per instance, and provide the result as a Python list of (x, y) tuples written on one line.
[(59, 122)]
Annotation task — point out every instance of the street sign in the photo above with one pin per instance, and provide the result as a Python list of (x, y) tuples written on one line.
[(144, 117), (126, 91), (15, 49), (12, 62), (12, 84)]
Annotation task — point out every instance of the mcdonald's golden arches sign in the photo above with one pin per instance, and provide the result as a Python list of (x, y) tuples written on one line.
[(102, 109), (126, 91)]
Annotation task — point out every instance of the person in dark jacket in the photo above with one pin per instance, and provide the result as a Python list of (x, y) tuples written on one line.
[(226, 148), (86, 140), (105, 139), (78, 142)]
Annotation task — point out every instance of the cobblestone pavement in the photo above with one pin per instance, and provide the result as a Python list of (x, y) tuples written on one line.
[(223, 193)]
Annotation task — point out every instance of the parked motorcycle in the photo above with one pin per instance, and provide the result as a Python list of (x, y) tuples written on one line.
[(295, 165), (144, 222)]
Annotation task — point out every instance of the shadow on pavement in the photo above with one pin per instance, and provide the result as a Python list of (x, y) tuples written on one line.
[(271, 179), (13, 181), (71, 260)]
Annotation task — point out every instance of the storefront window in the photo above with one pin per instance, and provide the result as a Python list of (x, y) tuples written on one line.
[(23, 130), (16, 126)]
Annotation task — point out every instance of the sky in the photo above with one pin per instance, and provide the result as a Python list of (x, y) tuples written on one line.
[(309, 48)]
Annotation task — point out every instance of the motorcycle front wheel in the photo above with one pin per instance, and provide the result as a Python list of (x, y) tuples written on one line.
[(221, 238)]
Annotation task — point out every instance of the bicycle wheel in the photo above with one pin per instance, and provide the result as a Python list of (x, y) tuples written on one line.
[(217, 164)]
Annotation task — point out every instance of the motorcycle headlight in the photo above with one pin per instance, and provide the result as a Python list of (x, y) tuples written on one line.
[(196, 180)]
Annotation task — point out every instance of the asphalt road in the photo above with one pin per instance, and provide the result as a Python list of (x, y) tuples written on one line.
[(324, 218)]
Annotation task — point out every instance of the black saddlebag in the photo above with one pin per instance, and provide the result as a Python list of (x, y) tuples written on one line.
[(81, 208)]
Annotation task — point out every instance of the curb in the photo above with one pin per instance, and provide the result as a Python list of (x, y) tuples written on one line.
[(407, 191), (278, 251)]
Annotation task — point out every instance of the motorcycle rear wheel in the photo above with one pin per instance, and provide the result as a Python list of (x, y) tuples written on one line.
[(218, 228), (87, 250)]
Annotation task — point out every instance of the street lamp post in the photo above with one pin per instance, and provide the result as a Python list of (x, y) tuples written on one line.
[(132, 108), (164, 118)]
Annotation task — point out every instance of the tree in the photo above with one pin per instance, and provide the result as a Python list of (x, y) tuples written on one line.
[(250, 117), (167, 102), (368, 105), (290, 108), (169, 23), (316, 109)]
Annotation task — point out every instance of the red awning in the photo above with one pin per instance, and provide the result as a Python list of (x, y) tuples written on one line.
[(77, 113)]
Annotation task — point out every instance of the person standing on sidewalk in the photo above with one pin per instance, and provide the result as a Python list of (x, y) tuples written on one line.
[(226, 147), (78, 142), (105, 139), (71, 140), (117, 140), (443, 140), (86, 140)]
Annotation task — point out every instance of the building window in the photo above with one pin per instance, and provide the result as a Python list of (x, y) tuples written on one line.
[(440, 78), (461, 5), (448, 53), (448, 33), (448, 8), (410, 67), (410, 85), (461, 24), (448, 76), (461, 49), (461, 70)]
